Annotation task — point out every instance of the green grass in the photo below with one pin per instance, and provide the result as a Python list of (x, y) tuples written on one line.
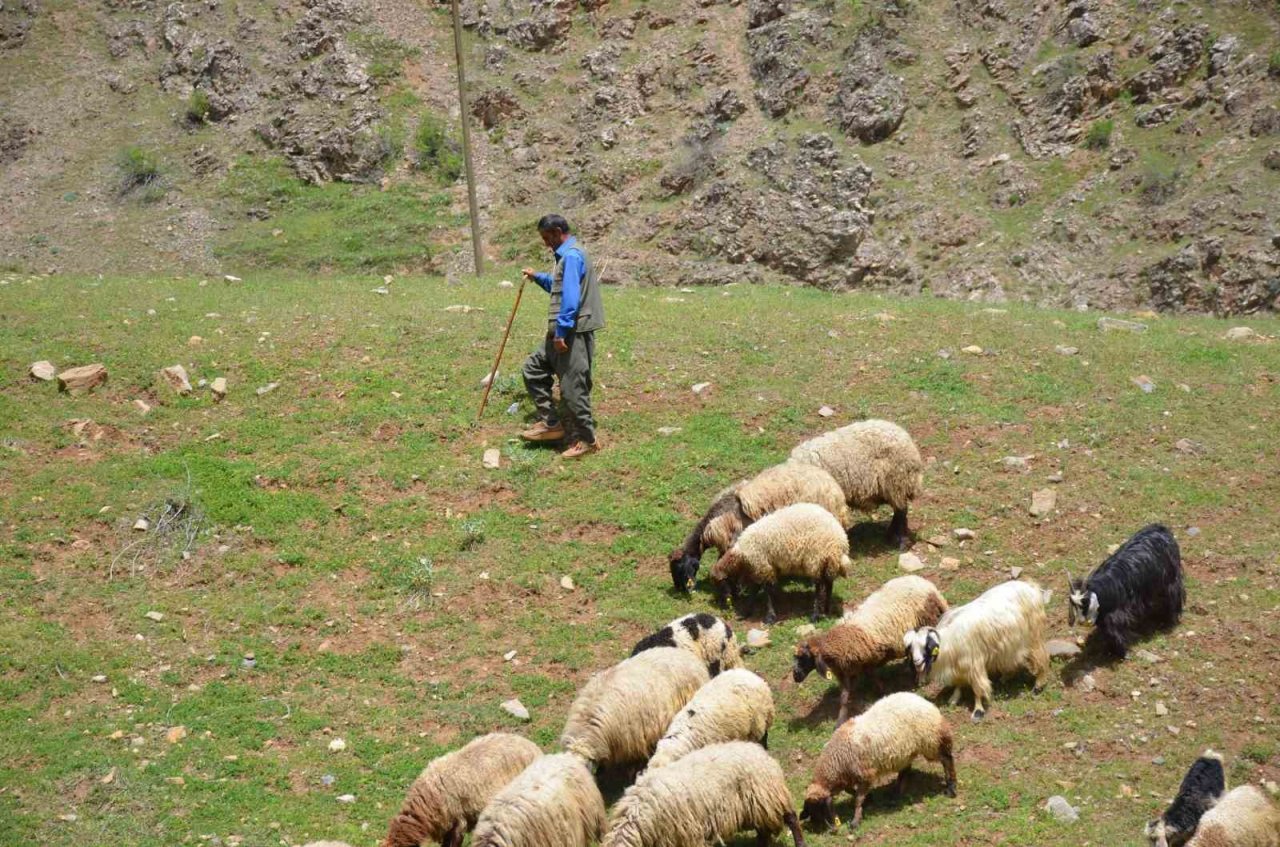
[(354, 545)]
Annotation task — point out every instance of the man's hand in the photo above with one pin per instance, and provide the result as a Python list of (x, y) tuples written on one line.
[(560, 345), (527, 273)]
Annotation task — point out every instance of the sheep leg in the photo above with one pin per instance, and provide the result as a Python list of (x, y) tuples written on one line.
[(844, 705), (900, 784), (948, 765), (453, 838), (764, 740), (770, 598), (763, 838), (899, 534), (859, 797), (1038, 664), (793, 823), (955, 696), (981, 686), (821, 599), (829, 592)]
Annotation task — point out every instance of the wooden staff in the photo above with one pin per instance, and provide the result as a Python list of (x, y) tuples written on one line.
[(493, 374)]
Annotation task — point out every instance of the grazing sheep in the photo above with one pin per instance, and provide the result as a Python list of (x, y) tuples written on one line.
[(705, 798), (553, 801), (1244, 817), (883, 740), (736, 508), (1204, 783), (803, 540), (622, 712), (1138, 588), (735, 706), (875, 462), (444, 801), (999, 632), (704, 635), (870, 635)]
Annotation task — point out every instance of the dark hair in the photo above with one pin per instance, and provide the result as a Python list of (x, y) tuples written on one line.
[(549, 222)]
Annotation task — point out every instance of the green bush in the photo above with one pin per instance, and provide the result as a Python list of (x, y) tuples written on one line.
[(198, 107), (1160, 179), (140, 171), (1099, 134), (434, 152)]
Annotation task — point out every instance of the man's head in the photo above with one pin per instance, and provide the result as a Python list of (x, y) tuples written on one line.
[(554, 230)]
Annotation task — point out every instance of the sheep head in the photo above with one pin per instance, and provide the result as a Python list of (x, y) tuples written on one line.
[(819, 809), (923, 645), (806, 661), (1156, 833), (684, 570)]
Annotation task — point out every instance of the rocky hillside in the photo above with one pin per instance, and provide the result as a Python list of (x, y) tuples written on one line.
[(1098, 153)]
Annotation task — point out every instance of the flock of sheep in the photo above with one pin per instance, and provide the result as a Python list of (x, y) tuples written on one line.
[(685, 714)]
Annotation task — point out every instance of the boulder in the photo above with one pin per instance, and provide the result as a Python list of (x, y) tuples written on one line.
[(82, 379)]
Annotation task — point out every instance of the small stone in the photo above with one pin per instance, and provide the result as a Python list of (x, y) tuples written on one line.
[(1061, 810), (153, 615), (1193, 531), (1144, 382), (195, 341), (1162, 710), (1042, 502), (230, 278), (1014, 573), (949, 564), (141, 525), (43, 371), (805, 630), (328, 779), (963, 534), (972, 349), (1147, 656), (1117, 325), (516, 709), (506, 283), (1272, 788), (1015, 463), (337, 745), (346, 798), (109, 778), (142, 406), (566, 583), (267, 389), (757, 638), (1059, 647), (1055, 478), (513, 408), (219, 389), (68, 818), (1240, 333), (701, 388), (939, 541), (489, 377), (1173, 730), (175, 734), (1062, 350), (381, 290), (826, 412), (176, 377), (509, 655), (1191, 448), (669, 430), (82, 379), (492, 458), (1157, 760), (910, 562), (463, 309), (1087, 683)]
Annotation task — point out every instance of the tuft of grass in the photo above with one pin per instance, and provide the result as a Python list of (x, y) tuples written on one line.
[(198, 107), (385, 55), (1273, 65), (1099, 135), (140, 174), (434, 152), (1160, 178)]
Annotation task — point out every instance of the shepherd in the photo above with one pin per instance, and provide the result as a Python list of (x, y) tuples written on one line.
[(575, 313)]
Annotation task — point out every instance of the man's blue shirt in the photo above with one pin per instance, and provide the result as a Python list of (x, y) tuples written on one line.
[(570, 286)]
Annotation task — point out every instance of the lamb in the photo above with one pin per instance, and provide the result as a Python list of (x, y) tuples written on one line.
[(704, 635), (444, 801), (736, 508), (621, 713), (1244, 817), (802, 540), (553, 801), (705, 798), (735, 706), (999, 632), (875, 462), (870, 635), (883, 740), (1138, 588), (1204, 783)]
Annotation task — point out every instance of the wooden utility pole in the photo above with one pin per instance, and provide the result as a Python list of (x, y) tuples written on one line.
[(465, 116)]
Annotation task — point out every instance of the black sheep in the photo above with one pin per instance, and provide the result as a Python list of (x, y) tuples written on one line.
[(1138, 588), (686, 559), (1204, 783)]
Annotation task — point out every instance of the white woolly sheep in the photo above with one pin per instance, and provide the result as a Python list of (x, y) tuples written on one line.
[(737, 507), (869, 635), (876, 463), (704, 635), (735, 706), (553, 801), (705, 798), (804, 540), (1000, 632), (444, 801), (883, 740), (621, 713), (1244, 817)]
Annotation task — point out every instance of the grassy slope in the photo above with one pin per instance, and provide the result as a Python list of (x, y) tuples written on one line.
[(357, 524)]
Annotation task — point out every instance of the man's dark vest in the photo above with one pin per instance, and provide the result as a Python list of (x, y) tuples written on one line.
[(590, 307)]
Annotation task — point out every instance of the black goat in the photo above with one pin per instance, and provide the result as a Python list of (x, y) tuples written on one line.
[(1204, 783), (1138, 588)]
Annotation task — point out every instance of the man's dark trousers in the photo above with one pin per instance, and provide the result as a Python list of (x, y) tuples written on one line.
[(573, 369)]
